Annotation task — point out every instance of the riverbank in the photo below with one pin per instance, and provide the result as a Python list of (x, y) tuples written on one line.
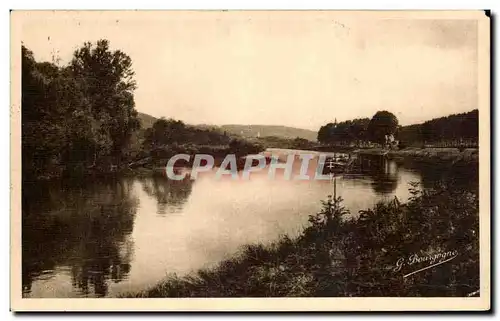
[(451, 155), (373, 254), (448, 154), (146, 162), (469, 156), (438, 154)]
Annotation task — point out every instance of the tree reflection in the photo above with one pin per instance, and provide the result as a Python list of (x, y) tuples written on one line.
[(385, 177), (85, 228), (170, 194), (382, 172)]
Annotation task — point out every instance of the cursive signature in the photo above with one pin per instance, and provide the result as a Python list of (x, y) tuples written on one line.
[(432, 259)]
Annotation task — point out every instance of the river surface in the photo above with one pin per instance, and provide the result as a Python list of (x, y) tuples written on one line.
[(108, 237)]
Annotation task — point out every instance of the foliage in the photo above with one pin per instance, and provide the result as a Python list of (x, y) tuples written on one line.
[(301, 143), (169, 131), (168, 137), (382, 123), (107, 83), (455, 130), (350, 131), (241, 147), (78, 116), (457, 127), (285, 143)]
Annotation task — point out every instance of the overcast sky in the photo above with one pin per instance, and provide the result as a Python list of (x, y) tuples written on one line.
[(300, 69)]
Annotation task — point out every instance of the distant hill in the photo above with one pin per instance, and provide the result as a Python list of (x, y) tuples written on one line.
[(146, 120), (249, 131)]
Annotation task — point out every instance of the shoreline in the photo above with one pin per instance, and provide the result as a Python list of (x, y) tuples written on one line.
[(325, 260), (428, 154), (413, 154), (441, 154)]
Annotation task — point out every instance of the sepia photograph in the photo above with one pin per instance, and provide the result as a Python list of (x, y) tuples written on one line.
[(250, 160)]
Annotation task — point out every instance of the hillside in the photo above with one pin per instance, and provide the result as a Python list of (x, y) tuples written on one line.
[(448, 130), (146, 120), (249, 131)]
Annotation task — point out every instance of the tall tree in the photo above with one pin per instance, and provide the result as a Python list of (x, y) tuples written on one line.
[(382, 123), (55, 118), (77, 115), (108, 84)]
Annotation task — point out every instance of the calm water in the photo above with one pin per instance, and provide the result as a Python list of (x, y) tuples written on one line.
[(119, 235)]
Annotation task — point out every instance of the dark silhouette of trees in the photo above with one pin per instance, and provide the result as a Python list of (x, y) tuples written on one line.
[(350, 131), (166, 132), (106, 79), (301, 143), (450, 130), (382, 123), (76, 116), (453, 130), (168, 137)]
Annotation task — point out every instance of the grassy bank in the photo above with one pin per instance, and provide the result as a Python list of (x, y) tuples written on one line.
[(438, 154), (369, 254), (447, 155)]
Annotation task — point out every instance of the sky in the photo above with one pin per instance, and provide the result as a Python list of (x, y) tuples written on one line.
[(300, 69)]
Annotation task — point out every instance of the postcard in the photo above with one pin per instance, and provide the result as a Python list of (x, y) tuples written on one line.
[(250, 160)]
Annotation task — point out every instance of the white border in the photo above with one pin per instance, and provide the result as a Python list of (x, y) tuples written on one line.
[(145, 4)]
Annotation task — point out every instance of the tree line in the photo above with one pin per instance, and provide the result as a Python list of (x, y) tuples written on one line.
[(80, 118), (449, 130), (169, 136), (359, 131), (170, 131), (77, 116), (454, 129)]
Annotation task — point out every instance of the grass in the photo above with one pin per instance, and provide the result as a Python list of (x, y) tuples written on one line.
[(470, 155), (356, 257)]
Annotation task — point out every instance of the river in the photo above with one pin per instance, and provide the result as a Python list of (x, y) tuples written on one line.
[(108, 237)]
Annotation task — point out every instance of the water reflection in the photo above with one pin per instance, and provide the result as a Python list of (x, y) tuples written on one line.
[(170, 194), (85, 234), (385, 177), (114, 236)]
